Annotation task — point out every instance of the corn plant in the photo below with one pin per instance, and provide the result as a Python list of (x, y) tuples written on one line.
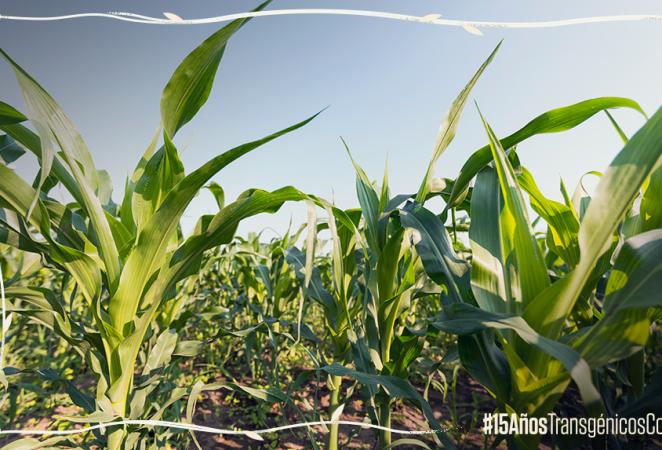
[(250, 283), (512, 306), (375, 275), (336, 295), (392, 275), (126, 260)]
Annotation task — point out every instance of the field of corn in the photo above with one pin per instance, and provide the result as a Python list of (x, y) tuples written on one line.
[(399, 313)]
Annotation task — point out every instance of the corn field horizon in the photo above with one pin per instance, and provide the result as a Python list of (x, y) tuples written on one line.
[(415, 313)]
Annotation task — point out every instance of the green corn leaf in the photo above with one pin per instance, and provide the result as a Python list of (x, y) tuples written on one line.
[(188, 349), (105, 190), (153, 241), (160, 354), (634, 286), (466, 319), (524, 266), (29, 140), (488, 278), (218, 193), (405, 349), (19, 195), (269, 395), (566, 197), (614, 194), (387, 265), (122, 237), (10, 151), (185, 261), (34, 444), (651, 206), (37, 103), (433, 246), (311, 240), (385, 193), (580, 197), (161, 173), (369, 201), (553, 121), (617, 127), (9, 115), (77, 397), (46, 113), (449, 126), (41, 306), (196, 390), (486, 362), (98, 416), (175, 395), (314, 289), (560, 218), (338, 270), (54, 126), (191, 83), (126, 212)]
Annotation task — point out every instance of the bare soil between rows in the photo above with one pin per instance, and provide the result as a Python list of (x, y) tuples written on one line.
[(220, 409), (230, 410)]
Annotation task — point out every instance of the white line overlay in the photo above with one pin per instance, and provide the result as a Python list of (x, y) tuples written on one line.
[(204, 429), (433, 19)]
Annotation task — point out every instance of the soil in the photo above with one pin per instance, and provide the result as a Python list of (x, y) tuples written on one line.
[(222, 409), (229, 410)]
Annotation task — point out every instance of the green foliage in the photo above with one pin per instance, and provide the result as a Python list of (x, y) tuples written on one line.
[(126, 260), (118, 314), (549, 330)]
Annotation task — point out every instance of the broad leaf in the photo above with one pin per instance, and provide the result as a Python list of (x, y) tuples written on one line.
[(553, 121), (191, 83)]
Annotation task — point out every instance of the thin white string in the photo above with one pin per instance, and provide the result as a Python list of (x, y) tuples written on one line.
[(204, 429), (434, 19)]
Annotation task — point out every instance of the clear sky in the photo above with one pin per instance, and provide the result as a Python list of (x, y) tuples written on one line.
[(387, 83)]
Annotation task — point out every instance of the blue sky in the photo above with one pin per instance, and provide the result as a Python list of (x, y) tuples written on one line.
[(387, 83)]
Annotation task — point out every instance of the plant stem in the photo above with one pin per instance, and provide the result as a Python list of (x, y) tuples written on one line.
[(389, 329), (334, 402), (116, 434), (385, 421)]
